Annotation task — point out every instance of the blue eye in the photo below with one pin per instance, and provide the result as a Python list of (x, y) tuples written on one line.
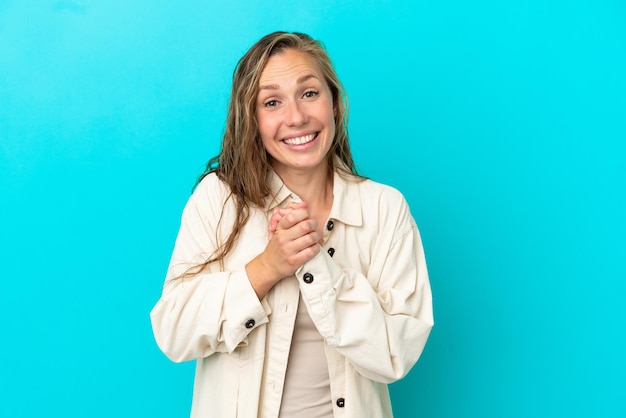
[(310, 94)]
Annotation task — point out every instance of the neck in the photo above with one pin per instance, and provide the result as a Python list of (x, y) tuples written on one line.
[(312, 186)]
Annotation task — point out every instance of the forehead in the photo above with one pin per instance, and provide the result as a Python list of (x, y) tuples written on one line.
[(289, 66)]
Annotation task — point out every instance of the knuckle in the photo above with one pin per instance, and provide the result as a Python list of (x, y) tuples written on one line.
[(308, 240), (293, 263), (303, 227), (311, 252), (303, 213)]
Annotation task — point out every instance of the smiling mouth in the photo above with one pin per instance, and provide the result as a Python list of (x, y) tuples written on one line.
[(301, 140)]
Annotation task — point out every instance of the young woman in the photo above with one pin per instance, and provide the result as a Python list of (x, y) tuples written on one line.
[(299, 287)]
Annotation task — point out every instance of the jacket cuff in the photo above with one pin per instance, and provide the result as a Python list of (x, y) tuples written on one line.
[(243, 312)]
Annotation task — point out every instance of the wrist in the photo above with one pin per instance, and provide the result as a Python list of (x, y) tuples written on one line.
[(262, 276)]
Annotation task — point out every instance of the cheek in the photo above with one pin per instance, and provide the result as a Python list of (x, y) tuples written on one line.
[(330, 112), (267, 132), (331, 121), (264, 126)]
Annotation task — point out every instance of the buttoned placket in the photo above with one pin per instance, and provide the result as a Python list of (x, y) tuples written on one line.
[(338, 401), (281, 324), (330, 225)]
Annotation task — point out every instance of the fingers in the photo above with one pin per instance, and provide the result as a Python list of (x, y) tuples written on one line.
[(299, 258), (279, 213), (293, 239), (291, 251), (293, 217), (300, 235)]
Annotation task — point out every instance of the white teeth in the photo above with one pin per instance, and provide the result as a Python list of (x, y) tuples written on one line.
[(299, 140)]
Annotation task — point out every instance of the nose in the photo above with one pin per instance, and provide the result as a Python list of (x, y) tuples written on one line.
[(296, 116)]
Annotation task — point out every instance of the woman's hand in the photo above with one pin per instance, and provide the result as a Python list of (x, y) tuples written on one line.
[(279, 213), (293, 240)]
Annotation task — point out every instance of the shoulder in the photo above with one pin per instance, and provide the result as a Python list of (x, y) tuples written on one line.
[(385, 197), (211, 182), (386, 203), (211, 194), (372, 189), (212, 188), (368, 192)]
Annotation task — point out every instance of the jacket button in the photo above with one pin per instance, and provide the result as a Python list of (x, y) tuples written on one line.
[(331, 251), (308, 278), (341, 402), (250, 323), (330, 225)]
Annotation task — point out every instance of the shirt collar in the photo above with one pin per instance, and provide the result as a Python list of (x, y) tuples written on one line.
[(279, 192), (346, 197)]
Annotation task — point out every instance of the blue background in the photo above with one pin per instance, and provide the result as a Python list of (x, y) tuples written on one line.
[(503, 123)]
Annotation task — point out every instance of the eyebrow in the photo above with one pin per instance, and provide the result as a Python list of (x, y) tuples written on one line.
[(298, 81)]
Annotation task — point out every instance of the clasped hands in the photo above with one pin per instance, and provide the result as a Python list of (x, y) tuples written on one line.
[(293, 238)]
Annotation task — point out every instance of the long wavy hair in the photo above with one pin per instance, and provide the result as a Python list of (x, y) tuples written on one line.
[(243, 163)]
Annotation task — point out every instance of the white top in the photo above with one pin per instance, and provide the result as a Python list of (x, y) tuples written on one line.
[(307, 385), (370, 302)]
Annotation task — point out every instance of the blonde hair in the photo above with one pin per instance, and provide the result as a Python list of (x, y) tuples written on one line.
[(243, 163)]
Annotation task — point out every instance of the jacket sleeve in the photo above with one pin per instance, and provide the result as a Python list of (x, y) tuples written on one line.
[(378, 320), (213, 311)]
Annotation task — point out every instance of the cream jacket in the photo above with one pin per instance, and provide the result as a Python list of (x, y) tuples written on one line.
[(367, 293)]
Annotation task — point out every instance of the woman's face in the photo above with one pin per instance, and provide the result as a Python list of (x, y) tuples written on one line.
[(295, 113)]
